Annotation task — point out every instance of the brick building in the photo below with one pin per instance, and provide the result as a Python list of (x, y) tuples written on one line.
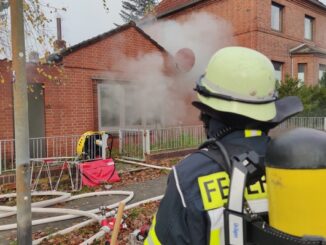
[(63, 97), (292, 33), (87, 88)]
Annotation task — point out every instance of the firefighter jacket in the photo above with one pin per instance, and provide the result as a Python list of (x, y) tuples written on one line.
[(191, 211)]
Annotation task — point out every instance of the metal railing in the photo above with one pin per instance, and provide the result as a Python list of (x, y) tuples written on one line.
[(136, 143), (176, 138), (58, 146), (7, 155), (305, 122), (40, 148), (52, 148), (133, 143)]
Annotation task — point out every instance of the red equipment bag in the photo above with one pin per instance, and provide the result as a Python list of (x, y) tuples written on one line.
[(98, 172)]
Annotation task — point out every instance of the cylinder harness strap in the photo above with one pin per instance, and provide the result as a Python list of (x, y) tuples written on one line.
[(241, 228)]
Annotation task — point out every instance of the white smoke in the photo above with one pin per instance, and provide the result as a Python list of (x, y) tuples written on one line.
[(157, 96), (149, 95), (202, 32)]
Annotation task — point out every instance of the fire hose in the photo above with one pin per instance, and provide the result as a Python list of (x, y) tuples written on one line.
[(71, 213), (41, 207), (91, 221)]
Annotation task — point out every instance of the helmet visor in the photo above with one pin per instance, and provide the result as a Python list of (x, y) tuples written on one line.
[(227, 95)]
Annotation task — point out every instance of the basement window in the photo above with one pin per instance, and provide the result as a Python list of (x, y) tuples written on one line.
[(308, 27), (276, 16)]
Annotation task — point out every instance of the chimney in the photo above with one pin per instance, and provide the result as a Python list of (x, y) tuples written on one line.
[(59, 44), (59, 31)]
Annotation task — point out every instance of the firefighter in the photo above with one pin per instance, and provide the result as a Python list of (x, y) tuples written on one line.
[(238, 106)]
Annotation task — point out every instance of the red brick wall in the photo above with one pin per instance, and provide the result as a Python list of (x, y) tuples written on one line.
[(251, 22), (293, 21), (71, 98), (95, 60), (35, 74), (105, 54), (169, 4), (312, 67), (240, 14), (70, 93), (6, 102), (276, 45), (69, 104)]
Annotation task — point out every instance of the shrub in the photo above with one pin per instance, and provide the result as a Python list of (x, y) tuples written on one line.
[(312, 97)]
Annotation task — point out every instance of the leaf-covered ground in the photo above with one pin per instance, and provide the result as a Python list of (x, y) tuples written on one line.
[(136, 217)]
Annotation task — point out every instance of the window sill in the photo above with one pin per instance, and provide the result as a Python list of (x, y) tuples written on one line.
[(277, 31)]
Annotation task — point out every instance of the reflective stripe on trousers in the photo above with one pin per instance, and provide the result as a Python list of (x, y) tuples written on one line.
[(216, 226), (152, 238), (216, 217)]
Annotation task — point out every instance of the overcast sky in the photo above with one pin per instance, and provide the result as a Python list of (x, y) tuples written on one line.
[(85, 18)]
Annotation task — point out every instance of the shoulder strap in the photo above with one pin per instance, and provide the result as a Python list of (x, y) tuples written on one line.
[(216, 151)]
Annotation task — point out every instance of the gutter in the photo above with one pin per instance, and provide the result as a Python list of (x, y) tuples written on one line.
[(178, 8)]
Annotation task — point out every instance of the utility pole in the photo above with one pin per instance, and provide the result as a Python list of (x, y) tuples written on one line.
[(24, 215)]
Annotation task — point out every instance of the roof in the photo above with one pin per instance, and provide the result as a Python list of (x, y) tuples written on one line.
[(307, 49), (105, 35), (167, 7), (318, 3)]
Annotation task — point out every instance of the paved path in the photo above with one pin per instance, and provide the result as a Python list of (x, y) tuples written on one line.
[(144, 190)]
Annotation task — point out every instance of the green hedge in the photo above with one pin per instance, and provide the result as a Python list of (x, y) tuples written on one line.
[(312, 97)]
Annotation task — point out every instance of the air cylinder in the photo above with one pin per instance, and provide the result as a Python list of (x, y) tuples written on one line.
[(296, 182)]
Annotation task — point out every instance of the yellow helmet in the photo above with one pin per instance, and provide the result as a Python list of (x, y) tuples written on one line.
[(240, 81)]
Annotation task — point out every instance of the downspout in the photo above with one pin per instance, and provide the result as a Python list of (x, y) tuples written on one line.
[(291, 65)]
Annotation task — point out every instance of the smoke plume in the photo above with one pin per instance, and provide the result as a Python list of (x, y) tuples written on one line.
[(159, 98)]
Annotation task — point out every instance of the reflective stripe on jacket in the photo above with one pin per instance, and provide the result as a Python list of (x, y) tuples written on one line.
[(191, 211)]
